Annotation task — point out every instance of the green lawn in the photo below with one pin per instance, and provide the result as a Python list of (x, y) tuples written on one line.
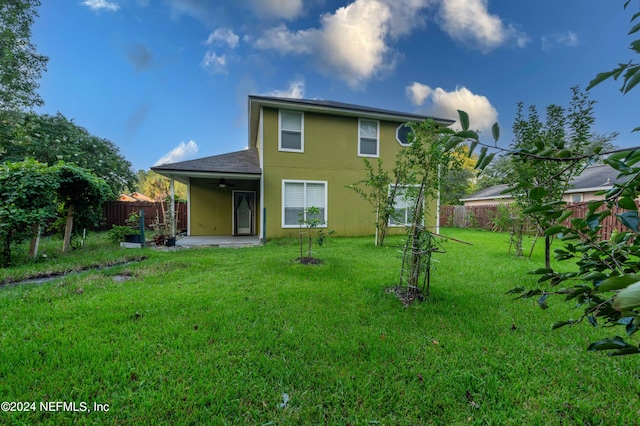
[(217, 336)]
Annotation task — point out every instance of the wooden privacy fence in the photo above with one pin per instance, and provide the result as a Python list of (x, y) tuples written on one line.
[(486, 216), (117, 213)]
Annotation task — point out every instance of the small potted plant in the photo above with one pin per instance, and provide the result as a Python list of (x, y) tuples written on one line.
[(133, 234)]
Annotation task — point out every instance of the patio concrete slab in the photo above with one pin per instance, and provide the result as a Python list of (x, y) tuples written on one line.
[(218, 241)]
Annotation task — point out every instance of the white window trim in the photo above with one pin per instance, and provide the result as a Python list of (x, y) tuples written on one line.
[(360, 120), (398, 137), (280, 148), (404, 225), (326, 196)]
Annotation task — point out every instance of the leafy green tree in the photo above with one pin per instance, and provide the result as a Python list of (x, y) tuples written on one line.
[(535, 180), (81, 195), (26, 201), (459, 182), (375, 189), (20, 64), (607, 283), (156, 186), (421, 169), (50, 139), (496, 173)]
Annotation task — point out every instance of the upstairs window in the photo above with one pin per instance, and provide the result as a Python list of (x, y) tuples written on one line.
[(404, 135), (368, 138), (298, 196), (291, 136)]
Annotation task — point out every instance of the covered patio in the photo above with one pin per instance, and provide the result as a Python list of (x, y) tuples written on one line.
[(224, 198)]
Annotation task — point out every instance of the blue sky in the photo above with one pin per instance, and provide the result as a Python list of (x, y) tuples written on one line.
[(168, 80)]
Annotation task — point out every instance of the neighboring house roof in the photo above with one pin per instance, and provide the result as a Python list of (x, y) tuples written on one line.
[(330, 107), (141, 197), (234, 164), (127, 198), (593, 178), (136, 196)]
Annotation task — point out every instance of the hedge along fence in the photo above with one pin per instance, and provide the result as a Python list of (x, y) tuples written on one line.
[(117, 213), (488, 217)]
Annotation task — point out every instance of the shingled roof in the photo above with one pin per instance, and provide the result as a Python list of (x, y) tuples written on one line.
[(240, 162), (593, 178)]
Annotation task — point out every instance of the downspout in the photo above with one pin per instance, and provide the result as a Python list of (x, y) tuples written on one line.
[(263, 211)]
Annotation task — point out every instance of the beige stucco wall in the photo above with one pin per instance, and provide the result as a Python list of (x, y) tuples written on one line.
[(211, 206), (331, 155)]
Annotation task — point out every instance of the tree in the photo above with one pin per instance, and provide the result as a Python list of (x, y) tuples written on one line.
[(375, 189), (156, 186), (532, 181), (496, 173), (420, 170), (606, 285), (81, 195), (460, 182), (50, 139), (26, 201), (20, 64)]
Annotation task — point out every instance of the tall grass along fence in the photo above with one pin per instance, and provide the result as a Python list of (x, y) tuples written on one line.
[(489, 217), (117, 212)]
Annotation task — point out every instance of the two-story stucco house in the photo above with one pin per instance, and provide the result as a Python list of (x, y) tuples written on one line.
[(301, 153)]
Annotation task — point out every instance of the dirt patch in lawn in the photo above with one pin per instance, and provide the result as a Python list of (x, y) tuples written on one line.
[(309, 261), (45, 277), (406, 295)]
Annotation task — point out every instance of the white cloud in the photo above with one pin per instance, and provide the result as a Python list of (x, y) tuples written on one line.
[(406, 16), (445, 104), (351, 43), (469, 22), (418, 93), (569, 39), (223, 36), (214, 63), (294, 91), (284, 41), (278, 9), (101, 4), (179, 153)]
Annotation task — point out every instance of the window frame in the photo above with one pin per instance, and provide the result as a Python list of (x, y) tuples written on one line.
[(579, 195), (360, 154), (405, 223), (305, 207), (281, 129), (398, 134)]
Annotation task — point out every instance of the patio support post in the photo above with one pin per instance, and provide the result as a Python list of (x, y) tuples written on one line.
[(173, 207)]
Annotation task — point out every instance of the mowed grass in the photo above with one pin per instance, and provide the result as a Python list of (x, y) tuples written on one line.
[(217, 336)]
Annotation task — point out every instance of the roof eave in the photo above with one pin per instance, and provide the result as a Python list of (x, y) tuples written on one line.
[(185, 175), (497, 197)]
